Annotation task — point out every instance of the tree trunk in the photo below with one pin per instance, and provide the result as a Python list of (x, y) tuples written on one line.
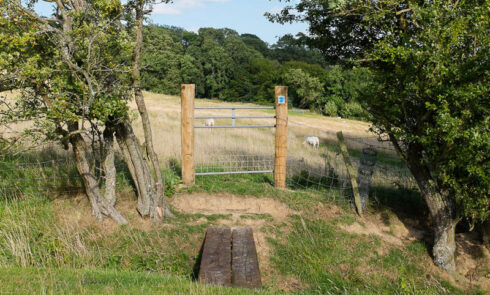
[(444, 244), (144, 184), (109, 167), (441, 207), (99, 205), (140, 102), (485, 232), (149, 202)]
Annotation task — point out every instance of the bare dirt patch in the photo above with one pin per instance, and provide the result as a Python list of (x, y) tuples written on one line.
[(231, 204), (473, 260), (74, 211), (388, 227)]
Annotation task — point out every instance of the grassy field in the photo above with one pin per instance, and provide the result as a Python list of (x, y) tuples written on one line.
[(224, 146), (309, 240), (93, 281)]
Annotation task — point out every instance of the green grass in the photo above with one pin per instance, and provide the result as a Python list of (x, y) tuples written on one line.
[(15, 280), (41, 253), (32, 235), (329, 261)]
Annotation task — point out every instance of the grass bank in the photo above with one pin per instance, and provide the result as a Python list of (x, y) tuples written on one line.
[(15, 280)]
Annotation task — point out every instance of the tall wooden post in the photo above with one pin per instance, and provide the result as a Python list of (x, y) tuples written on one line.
[(281, 136), (351, 172), (187, 127)]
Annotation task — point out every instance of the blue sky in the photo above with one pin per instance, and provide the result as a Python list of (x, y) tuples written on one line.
[(243, 16)]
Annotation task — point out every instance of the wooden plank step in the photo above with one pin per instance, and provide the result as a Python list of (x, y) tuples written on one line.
[(244, 261), (215, 266), (229, 258)]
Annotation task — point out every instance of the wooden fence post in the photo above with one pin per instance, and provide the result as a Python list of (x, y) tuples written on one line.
[(351, 172), (280, 161), (187, 127)]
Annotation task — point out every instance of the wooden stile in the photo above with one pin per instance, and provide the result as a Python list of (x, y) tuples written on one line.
[(229, 258), (244, 261)]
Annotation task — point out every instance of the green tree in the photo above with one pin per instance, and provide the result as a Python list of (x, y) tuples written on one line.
[(256, 43), (314, 70), (346, 88), (265, 74), (289, 48), (430, 62), (222, 63), (161, 60), (306, 91), (75, 74)]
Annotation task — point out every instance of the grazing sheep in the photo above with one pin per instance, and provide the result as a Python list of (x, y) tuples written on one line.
[(209, 122), (313, 141)]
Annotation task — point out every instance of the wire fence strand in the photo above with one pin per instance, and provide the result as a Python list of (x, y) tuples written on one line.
[(50, 169)]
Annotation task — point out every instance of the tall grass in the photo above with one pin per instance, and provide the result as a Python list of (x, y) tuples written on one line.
[(89, 281), (329, 261)]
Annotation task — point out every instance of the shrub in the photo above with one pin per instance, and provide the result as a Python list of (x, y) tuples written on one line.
[(331, 109), (353, 110)]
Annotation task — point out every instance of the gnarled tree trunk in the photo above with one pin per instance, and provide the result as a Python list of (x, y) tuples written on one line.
[(140, 102), (442, 209), (150, 203), (100, 206), (108, 166)]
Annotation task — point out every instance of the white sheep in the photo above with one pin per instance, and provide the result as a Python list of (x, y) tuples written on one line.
[(313, 141), (209, 122)]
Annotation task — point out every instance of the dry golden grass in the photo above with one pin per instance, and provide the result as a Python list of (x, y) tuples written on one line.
[(215, 147), (13, 130), (222, 145), (165, 118)]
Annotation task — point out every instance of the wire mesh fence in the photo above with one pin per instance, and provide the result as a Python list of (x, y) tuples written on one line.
[(40, 170), (233, 150), (323, 170), (236, 164), (50, 169)]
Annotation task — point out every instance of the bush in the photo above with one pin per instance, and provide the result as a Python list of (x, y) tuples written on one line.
[(353, 110), (331, 109)]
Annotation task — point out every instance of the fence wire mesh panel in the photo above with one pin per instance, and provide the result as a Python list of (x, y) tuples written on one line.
[(51, 170), (318, 170), (322, 169), (46, 169), (238, 142)]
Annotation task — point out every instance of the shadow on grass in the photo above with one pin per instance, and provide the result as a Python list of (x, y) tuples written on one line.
[(197, 265)]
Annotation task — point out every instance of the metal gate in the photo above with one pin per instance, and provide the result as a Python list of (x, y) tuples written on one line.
[(189, 126), (233, 118)]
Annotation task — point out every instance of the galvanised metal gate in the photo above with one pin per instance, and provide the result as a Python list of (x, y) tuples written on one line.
[(189, 126), (235, 166)]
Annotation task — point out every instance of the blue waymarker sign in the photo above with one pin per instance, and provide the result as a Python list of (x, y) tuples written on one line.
[(281, 100)]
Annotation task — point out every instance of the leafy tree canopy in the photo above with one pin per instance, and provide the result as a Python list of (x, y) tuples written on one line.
[(233, 67), (430, 64)]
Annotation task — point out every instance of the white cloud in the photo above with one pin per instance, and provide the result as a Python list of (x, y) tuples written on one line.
[(193, 29), (275, 9), (179, 6)]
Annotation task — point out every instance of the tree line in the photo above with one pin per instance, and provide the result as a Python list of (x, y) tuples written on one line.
[(232, 67)]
